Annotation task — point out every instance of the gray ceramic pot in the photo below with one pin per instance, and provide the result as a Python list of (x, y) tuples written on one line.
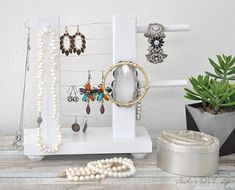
[(221, 126)]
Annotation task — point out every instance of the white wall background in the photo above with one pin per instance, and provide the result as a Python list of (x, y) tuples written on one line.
[(212, 32)]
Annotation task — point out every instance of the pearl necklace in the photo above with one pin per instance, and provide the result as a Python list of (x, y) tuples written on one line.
[(114, 167), (41, 72)]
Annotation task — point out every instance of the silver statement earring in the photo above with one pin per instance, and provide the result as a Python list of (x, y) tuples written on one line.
[(155, 35), (75, 127)]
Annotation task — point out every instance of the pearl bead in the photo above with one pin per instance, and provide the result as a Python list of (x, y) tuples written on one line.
[(87, 177), (70, 178), (110, 174), (98, 176), (102, 176), (73, 173), (92, 176), (82, 178), (76, 178)]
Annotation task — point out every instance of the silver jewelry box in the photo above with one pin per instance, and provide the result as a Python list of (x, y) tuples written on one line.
[(188, 153)]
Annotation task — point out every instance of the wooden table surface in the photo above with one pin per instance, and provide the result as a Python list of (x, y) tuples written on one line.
[(18, 172)]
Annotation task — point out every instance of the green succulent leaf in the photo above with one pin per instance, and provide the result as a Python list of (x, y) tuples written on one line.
[(231, 63), (231, 71), (213, 75), (231, 78), (228, 104), (221, 62), (192, 97)]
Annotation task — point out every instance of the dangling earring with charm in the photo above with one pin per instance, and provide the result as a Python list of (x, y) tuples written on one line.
[(81, 49), (103, 94), (66, 50), (138, 105), (75, 127), (85, 126), (88, 93)]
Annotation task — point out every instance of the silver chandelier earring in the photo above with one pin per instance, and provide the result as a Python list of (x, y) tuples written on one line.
[(155, 34)]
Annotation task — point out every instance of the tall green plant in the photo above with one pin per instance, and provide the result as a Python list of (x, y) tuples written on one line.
[(216, 93)]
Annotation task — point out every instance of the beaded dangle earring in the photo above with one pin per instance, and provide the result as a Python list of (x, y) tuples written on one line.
[(82, 48), (63, 48), (88, 93), (103, 94)]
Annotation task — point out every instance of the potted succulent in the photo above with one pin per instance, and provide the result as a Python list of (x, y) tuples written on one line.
[(215, 113)]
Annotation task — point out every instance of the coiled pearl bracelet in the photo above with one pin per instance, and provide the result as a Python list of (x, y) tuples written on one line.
[(100, 169)]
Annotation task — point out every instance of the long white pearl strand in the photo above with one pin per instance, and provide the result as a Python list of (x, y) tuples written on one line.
[(41, 77), (100, 169)]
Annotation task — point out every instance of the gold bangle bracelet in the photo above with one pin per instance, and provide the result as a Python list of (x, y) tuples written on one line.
[(146, 83)]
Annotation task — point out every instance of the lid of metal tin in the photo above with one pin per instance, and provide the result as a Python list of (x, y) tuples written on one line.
[(188, 141)]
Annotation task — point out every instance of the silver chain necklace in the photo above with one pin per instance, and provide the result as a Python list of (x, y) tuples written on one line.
[(18, 143)]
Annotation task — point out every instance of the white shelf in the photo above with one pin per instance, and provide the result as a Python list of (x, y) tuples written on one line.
[(97, 140)]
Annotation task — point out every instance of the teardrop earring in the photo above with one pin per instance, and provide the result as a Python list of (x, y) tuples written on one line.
[(88, 93), (103, 94), (85, 126)]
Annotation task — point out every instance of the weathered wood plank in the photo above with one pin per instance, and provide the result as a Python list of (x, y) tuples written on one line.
[(18, 172)]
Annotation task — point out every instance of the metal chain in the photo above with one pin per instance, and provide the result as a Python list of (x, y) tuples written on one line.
[(18, 143)]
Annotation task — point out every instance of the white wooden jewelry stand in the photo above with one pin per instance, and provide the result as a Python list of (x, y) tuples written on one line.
[(123, 136)]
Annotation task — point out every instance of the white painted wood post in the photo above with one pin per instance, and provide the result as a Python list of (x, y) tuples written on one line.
[(124, 49)]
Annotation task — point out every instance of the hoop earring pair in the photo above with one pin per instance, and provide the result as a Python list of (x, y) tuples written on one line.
[(72, 48)]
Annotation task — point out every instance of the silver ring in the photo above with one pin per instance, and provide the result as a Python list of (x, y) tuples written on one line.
[(155, 34)]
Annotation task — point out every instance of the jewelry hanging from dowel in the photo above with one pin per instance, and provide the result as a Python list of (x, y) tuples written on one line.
[(73, 94), (82, 48), (155, 34), (75, 127), (67, 50), (138, 94), (88, 93), (134, 66), (85, 125), (103, 94), (18, 143), (44, 34)]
